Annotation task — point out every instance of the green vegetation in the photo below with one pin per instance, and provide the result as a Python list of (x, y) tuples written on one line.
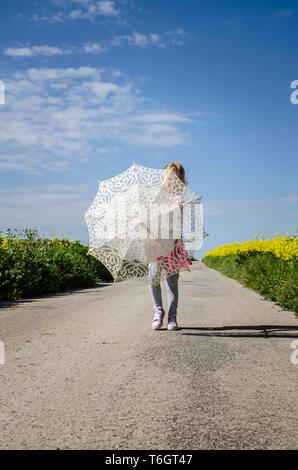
[(31, 265), (273, 277)]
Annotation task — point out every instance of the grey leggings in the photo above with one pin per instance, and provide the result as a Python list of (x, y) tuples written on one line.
[(172, 294)]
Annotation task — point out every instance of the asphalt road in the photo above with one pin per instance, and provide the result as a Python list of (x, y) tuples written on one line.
[(84, 370)]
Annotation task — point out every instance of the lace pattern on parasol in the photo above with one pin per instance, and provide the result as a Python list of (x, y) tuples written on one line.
[(138, 202)]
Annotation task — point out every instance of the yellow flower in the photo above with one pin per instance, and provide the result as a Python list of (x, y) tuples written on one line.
[(4, 244), (285, 247)]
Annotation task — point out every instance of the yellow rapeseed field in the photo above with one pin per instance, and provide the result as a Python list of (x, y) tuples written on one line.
[(282, 246), (6, 242)]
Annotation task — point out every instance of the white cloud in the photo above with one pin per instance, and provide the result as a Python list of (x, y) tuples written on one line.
[(248, 207), (19, 51), (94, 48), (84, 9), (200, 113), (49, 205), (160, 117), (134, 39), (290, 198), (30, 51), (75, 14), (178, 36), (44, 74), (156, 135), (155, 38), (104, 7), (71, 10), (12, 165), (56, 118), (56, 18), (138, 39), (116, 73)]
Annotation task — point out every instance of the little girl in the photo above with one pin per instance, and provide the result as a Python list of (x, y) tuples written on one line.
[(174, 261)]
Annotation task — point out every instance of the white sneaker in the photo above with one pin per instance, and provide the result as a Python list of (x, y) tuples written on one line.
[(172, 322), (158, 318)]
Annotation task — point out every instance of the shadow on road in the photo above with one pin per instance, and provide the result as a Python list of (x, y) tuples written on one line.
[(79, 290), (257, 331)]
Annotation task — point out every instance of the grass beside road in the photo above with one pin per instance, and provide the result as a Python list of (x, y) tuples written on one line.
[(31, 265), (270, 267)]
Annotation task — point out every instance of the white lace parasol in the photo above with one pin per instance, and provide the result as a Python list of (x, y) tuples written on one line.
[(136, 220)]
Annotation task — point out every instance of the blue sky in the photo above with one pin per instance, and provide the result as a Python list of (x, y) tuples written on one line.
[(92, 85)]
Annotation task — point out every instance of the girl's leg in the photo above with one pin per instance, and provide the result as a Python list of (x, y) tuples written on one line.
[(155, 292), (172, 296), (172, 293)]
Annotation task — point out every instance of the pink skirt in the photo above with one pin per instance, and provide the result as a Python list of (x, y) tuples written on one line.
[(177, 258)]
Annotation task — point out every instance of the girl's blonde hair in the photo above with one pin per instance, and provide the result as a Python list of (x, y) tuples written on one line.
[(178, 170)]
